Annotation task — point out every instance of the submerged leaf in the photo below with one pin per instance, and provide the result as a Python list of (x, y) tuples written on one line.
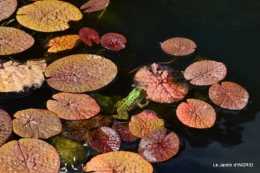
[(87, 35), (118, 162), (229, 95), (7, 7), (5, 126), (94, 5), (113, 41)]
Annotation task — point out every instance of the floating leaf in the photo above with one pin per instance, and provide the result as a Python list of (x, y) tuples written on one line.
[(29, 156), (5, 126), (94, 5), (66, 42), (196, 113), (113, 41), (7, 7), (14, 77), (157, 146), (48, 16), (178, 46), (124, 132), (162, 84), (80, 73), (14, 40), (205, 72), (144, 122), (36, 123), (118, 162), (73, 106), (229, 95), (87, 35)]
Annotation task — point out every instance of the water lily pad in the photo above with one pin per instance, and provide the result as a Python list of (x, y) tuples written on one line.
[(80, 73), (124, 132), (94, 5), (36, 123), (161, 83), (196, 113), (5, 126), (73, 106), (48, 16), (113, 41), (157, 146), (144, 122), (7, 8), (14, 40), (66, 42), (87, 35), (29, 155), (206, 72), (118, 162), (178, 46), (229, 95)]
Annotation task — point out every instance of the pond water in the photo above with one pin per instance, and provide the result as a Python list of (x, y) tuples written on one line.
[(225, 31)]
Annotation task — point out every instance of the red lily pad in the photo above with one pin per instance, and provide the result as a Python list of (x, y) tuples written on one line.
[(161, 83), (105, 140), (87, 35), (113, 41), (7, 8), (229, 95), (94, 5), (196, 113), (29, 155), (5, 126), (205, 72), (144, 122), (124, 131), (36, 123), (80, 73), (178, 46), (157, 146), (73, 106)]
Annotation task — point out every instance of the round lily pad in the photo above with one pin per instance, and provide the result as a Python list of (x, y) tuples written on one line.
[(80, 73), (113, 41), (87, 35), (5, 126), (7, 7)]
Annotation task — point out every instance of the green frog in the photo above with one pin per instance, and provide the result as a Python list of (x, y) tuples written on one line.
[(134, 99)]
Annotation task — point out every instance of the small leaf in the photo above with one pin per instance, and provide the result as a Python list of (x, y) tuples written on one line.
[(144, 122), (205, 72), (157, 146), (94, 5), (196, 113), (124, 131), (36, 123), (178, 46), (5, 126), (7, 8), (229, 95), (87, 35), (118, 162), (113, 41)]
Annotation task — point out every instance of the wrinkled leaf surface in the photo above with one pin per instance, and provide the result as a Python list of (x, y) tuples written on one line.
[(124, 131), (7, 7), (66, 42), (94, 5), (87, 35), (5, 126), (113, 41)]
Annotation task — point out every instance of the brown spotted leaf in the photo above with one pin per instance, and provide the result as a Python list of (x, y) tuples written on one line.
[(157, 146), (205, 72), (94, 5), (196, 113), (66, 42), (48, 16), (87, 35), (80, 73), (36, 123), (13, 40), (124, 131), (144, 122), (178, 46), (229, 95), (118, 162), (29, 156), (5, 126), (113, 41), (73, 106), (7, 7), (161, 83)]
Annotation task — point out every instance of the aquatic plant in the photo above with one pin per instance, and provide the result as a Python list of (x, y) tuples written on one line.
[(87, 35), (113, 41), (94, 5), (7, 8)]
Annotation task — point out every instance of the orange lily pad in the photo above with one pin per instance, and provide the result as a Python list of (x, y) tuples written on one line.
[(5, 126), (14, 40), (144, 122), (118, 162), (48, 16), (205, 72), (7, 8), (36, 123), (73, 106), (87, 35), (94, 5), (124, 132), (29, 155), (80, 73), (157, 146), (229, 95), (196, 113), (66, 42)]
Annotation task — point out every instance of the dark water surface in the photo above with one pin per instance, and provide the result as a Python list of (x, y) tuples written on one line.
[(224, 30)]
